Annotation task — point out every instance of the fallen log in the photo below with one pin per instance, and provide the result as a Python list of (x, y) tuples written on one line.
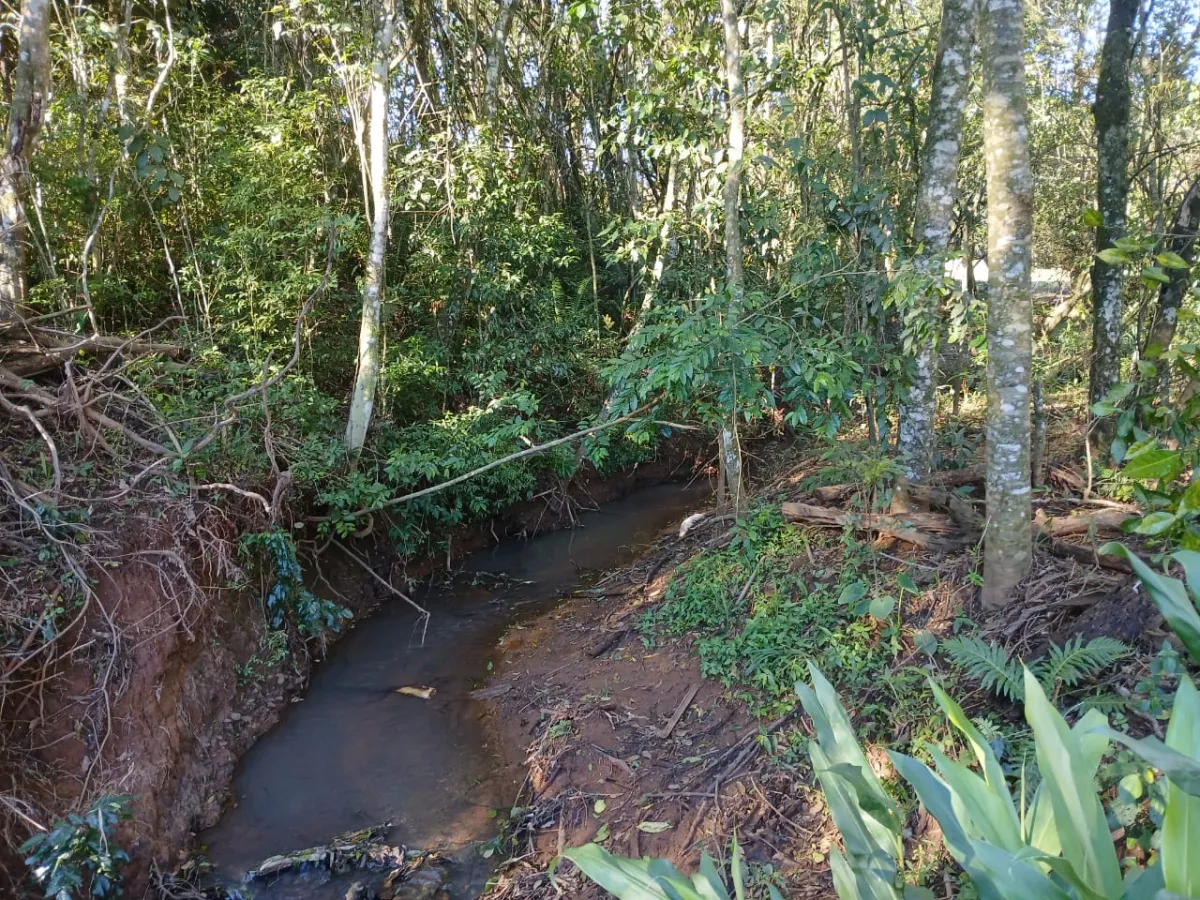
[(929, 531), (1085, 555), (1107, 518), (48, 351), (948, 478)]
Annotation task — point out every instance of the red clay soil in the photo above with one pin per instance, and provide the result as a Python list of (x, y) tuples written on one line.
[(631, 746), (152, 691)]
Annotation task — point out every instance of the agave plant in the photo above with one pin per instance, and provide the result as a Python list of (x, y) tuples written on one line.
[(1057, 847), (867, 818), (657, 879)]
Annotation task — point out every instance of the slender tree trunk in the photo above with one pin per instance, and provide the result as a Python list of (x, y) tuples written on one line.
[(1008, 548), (1181, 241), (735, 278), (369, 349), (491, 84), (30, 97), (1111, 111), (931, 229)]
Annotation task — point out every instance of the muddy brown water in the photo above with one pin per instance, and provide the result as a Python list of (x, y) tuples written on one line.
[(353, 753)]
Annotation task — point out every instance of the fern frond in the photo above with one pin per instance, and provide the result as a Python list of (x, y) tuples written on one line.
[(989, 664), (1076, 661)]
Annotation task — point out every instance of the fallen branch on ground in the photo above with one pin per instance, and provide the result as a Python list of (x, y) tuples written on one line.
[(948, 478), (928, 531)]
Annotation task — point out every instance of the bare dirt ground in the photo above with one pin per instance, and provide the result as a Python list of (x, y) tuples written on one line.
[(629, 746)]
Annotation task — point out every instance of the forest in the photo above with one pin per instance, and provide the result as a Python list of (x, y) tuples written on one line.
[(303, 303)]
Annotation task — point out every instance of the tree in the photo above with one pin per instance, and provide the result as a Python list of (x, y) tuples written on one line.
[(1181, 241), (936, 194), (1111, 112), (1008, 547), (735, 276), (30, 97), (369, 350)]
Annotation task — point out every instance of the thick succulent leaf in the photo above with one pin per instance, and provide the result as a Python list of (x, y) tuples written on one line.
[(708, 881), (844, 883), (1092, 741), (992, 772), (1042, 832), (737, 866), (939, 801), (856, 883), (987, 808), (1169, 594), (868, 845), (1180, 849), (1064, 764), (839, 747), (629, 879), (1143, 884), (1020, 877)]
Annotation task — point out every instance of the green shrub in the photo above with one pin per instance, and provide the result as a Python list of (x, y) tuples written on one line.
[(79, 857)]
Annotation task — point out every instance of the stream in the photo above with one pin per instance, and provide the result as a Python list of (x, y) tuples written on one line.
[(354, 753)]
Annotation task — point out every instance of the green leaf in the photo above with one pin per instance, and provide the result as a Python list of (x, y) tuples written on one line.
[(905, 581), (1155, 523), (1170, 260), (852, 593), (987, 808), (737, 869), (601, 834), (1155, 275), (1167, 593), (836, 743), (1114, 257), (882, 607), (1092, 218), (654, 827), (1083, 828), (1154, 464), (1189, 500), (1180, 834), (628, 879), (925, 641), (708, 881), (599, 806)]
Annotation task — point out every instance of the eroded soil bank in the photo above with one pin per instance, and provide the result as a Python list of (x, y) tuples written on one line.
[(169, 682), (352, 752)]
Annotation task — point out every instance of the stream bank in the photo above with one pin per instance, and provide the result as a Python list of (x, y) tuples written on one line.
[(173, 680), (352, 752)]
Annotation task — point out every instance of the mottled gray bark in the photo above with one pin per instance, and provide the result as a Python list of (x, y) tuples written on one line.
[(30, 97), (362, 402), (735, 279), (491, 84), (1008, 542), (933, 219), (1111, 112), (1181, 240)]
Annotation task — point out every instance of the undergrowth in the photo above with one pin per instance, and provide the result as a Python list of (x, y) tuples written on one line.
[(762, 608)]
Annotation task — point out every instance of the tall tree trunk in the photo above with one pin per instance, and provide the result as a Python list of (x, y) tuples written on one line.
[(499, 37), (1181, 240), (931, 229), (362, 401), (735, 278), (1111, 111), (1008, 548), (30, 96)]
